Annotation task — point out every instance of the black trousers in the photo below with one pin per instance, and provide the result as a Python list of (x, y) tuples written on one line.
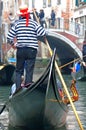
[(25, 60)]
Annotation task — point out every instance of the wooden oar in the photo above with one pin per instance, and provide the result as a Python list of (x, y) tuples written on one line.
[(70, 62), (37, 19), (62, 80), (65, 87)]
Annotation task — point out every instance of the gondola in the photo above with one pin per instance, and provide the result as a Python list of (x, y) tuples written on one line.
[(39, 105), (6, 74)]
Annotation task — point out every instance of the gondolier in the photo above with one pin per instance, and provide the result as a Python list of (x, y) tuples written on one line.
[(26, 32)]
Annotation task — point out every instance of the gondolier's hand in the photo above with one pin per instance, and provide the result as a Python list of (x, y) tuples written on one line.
[(45, 38), (46, 34), (14, 45)]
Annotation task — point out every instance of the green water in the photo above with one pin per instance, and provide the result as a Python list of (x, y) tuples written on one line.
[(71, 123)]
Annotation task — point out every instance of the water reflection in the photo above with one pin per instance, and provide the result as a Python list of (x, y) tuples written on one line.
[(71, 123), (2, 127)]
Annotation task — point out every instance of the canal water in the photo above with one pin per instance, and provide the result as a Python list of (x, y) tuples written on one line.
[(71, 122)]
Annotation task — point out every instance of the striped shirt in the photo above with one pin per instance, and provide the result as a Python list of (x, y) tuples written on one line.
[(26, 35)]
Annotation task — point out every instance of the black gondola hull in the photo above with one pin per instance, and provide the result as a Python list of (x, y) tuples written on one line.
[(39, 105), (7, 74)]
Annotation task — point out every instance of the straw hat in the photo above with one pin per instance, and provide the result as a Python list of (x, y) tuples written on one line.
[(23, 9)]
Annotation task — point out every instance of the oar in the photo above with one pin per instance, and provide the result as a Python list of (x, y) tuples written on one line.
[(65, 87), (37, 19), (62, 80), (4, 106), (70, 62)]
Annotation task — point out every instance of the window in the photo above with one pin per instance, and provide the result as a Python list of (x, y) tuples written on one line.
[(77, 3), (58, 2), (33, 6), (44, 3), (49, 3), (82, 1)]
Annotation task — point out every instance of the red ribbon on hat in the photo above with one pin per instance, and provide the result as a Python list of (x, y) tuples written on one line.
[(25, 14)]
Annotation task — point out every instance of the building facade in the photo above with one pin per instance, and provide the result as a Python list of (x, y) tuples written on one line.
[(68, 13), (80, 13)]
